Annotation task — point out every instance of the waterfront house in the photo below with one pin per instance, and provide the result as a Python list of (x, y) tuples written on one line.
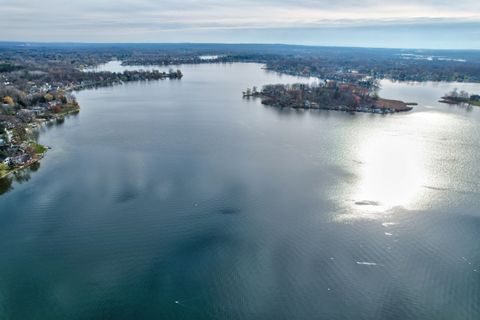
[(21, 159), (39, 110), (7, 161)]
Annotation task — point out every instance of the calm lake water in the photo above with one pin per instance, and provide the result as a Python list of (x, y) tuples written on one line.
[(178, 199)]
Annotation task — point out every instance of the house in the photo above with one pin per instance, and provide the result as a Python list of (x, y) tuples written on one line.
[(38, 110), (357, 90), (26, 115), (8, 162), (71, 99), (21, 159)]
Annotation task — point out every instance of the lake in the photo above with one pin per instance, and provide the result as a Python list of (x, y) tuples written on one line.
[(178, 199)]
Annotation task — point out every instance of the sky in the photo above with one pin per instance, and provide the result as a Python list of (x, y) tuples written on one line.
[(437, 24)]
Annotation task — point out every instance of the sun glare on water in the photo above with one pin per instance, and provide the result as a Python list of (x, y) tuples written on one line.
[(392, 172), (395, 167)]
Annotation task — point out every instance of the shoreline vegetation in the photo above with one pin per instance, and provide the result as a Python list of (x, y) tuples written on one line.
[(6, 171), (21, 113), (34, 93), (330, 95), (23, 150), (333, 63), (37, 80)]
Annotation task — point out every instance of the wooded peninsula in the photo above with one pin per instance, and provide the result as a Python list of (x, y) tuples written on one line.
[(330, 95)]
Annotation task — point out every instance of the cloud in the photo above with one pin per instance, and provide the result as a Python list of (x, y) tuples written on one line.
[(160, 21)]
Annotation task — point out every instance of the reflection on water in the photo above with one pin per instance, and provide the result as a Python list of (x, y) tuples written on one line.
[(394, 166), (392, 171), (19, 177), (5, 185)]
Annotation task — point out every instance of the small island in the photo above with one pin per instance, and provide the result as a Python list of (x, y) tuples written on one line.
[(461, 97), (330, 95)]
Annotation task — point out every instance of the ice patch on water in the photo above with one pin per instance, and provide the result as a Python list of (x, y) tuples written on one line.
[(364, 263), (388, 224)]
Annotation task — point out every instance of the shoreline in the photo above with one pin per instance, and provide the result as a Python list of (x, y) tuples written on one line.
[(450, 101), (39, 156), (34, 160), (38, 122)]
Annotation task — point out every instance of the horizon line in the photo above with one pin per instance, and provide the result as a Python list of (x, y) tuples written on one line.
[(227, 44)]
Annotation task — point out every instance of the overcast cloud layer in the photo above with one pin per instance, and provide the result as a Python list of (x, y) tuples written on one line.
[(406, 23)]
